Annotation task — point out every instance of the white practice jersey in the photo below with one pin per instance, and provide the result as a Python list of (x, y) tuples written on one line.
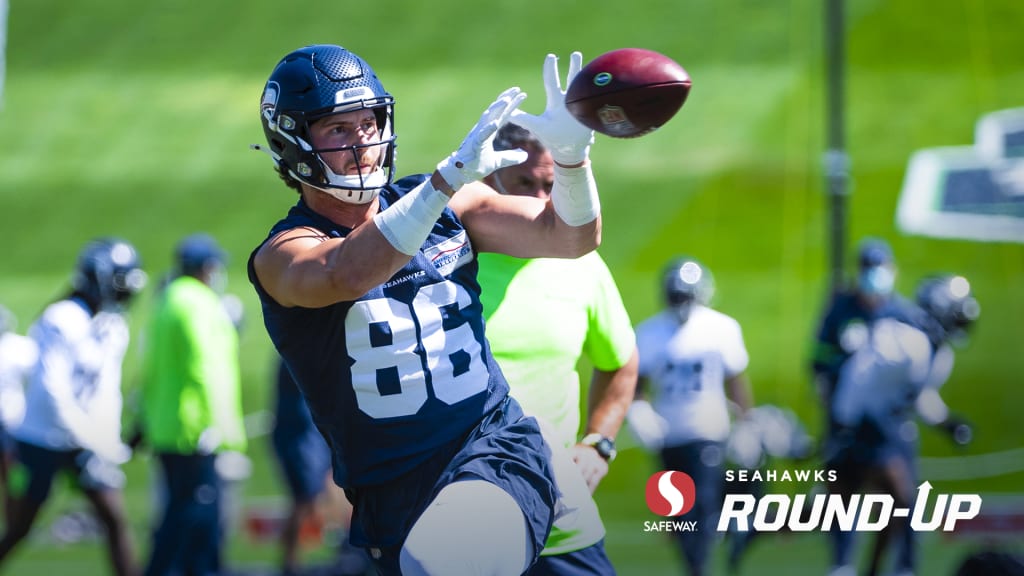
[(886, 375), (18, 355), (73, 398), (686, 367)]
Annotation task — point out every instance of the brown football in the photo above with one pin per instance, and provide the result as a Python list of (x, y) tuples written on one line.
[(628, 92)]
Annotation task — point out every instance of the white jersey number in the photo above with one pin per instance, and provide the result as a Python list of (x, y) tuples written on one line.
[(389, 341)]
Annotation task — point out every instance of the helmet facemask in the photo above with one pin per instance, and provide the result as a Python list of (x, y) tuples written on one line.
[(358, 188), (681, 303)]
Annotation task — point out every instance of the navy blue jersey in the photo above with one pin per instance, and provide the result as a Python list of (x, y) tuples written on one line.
[(400, 372), (844, 328)]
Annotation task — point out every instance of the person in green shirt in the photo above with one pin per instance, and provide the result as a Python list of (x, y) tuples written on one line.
[(543, 315), (191, 407)]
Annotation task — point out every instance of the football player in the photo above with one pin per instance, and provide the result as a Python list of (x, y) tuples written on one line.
[(845, 323), (692, 363), (892, 376), (73, 399), (369, 294), (191, 400)]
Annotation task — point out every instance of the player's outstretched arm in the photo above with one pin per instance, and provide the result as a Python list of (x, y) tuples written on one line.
[(569, 223), (303, 267)]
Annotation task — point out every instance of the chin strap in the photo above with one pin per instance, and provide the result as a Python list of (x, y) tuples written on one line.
[(351, 196), (354, 188)]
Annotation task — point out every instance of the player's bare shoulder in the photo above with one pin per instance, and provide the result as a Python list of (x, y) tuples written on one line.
[(281, 253)]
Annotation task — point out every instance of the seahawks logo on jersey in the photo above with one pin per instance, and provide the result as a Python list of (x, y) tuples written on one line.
[(450, 254)]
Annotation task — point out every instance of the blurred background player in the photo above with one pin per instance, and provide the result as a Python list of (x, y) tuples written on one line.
[(305, 462), (893, 376), (543, 315), (191, 407), (18, 355), (73, 400), (850, 312), (844, 328), (693, 365)]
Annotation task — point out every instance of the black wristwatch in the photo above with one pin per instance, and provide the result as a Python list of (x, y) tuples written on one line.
[(604, 445)]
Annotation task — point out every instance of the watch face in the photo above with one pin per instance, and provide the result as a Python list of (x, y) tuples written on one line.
[(606, 448)]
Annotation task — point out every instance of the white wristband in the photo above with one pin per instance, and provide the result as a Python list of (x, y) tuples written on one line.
[(451, 172), (574, 194), (407, 223)]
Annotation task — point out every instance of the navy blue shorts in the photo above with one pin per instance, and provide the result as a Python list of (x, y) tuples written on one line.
[(6, 443), (505, 449), (869, 444), (43, 464), (703, 460), (590, 561), (305, 461)]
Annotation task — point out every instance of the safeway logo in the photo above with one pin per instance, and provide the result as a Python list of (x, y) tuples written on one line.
[(670, 493)]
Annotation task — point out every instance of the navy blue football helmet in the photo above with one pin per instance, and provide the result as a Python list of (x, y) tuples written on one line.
[(108, 273), (198, 251), (685, 282), (949, 300), (309, 84)]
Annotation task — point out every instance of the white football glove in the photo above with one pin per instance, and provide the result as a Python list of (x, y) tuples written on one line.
[(567, 140), (646, 425), (476, 157), (117, 453)]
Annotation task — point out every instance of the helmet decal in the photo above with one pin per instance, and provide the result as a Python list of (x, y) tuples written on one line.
[(346, 96), (269, 102)]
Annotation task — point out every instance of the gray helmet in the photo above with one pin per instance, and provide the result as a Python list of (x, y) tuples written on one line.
[(108, 273), (685, 282), (949, 300)]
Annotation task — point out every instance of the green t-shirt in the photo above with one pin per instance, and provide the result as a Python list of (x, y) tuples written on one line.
[(191, 380), (542, 316)]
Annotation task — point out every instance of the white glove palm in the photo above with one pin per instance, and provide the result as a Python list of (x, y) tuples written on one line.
[(476, 157), (567, 140)]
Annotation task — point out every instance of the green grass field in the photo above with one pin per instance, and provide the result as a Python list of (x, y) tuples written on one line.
[(134, 119)]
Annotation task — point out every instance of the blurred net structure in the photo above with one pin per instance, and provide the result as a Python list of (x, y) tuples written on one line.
[(969, 192)]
